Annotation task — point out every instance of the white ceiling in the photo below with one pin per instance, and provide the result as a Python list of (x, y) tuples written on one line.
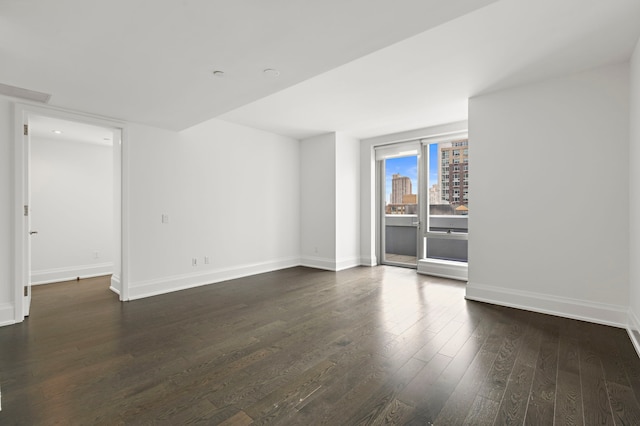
[(152, 61), (365, 67), (427, 79)]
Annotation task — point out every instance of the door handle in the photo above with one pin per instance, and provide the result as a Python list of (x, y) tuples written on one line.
[(33, 232)]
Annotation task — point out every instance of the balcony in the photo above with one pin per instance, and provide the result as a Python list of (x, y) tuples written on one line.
[(401, 238), (442, 254)]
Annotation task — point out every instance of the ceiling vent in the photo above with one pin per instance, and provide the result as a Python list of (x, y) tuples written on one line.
[(19, 92)]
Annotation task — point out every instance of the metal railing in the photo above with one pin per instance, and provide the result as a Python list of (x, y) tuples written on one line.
[(401, 236)]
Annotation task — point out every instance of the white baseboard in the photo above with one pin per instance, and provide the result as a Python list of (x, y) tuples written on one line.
[(318, 263), (116, 285), (600, 313), (443, 268), (348, 263), (368, 261), (329, 264), (47, 276), (633, 328), (7, 314), (141, 289)]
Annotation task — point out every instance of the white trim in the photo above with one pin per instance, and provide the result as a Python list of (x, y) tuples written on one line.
[(395, 150), (599, 313), (170, 284), (443, 268), (124, 215), (368, 261), (450, 137), (7, 316), (348, 263), (441, 130), (439, 235), (318, 263), (633, 329), (20, 278), (329, 264), (115, 284), (53, 275)]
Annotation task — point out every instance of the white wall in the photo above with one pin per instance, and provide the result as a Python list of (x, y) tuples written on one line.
[(549, 196), (71, 208), (634, 198), (6, 218), (231, 194), (318, 201), (347, 201), (330, 201)]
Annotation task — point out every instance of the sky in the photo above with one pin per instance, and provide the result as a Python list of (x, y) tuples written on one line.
[(405, 166), (408, 166)]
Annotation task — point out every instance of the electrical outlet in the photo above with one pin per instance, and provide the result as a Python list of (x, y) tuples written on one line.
[(165, 218), (96, 255), (207, 260), (194, 262)]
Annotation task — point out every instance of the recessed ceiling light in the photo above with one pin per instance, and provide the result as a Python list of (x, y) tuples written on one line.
[(57, 132), (218, 73), (271, 72)]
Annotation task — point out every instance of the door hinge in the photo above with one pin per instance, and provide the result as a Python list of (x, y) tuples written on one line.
[(26, 291), (26, 210), (26, 129)]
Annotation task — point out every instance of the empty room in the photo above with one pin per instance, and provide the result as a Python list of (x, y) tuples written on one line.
[(320, 212)]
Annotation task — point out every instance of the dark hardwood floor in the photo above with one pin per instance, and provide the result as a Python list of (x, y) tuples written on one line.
[(300, 346)]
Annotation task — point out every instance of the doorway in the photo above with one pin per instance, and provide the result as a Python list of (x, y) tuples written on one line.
[(65, 144), (423, 207), (71, 208), (399, 176)]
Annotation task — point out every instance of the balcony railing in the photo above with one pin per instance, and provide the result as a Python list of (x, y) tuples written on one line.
[(401, 238)]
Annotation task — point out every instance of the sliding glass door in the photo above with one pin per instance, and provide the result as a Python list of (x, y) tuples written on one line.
[(399, 179), (424, 205)]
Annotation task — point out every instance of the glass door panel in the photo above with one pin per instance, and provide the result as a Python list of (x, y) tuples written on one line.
[(400, 214), (447, 209)]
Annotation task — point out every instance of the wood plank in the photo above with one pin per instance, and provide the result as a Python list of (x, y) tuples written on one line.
[(540, 409), (429, 401), (630, 361), (461, 400), (496, 383), (378, 405), (568, 404), (596, 404), (239, 419), (302, 346), (423, 381), (513, 408), (626, 410), (514, 403), (482, 412), (292, 394)]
